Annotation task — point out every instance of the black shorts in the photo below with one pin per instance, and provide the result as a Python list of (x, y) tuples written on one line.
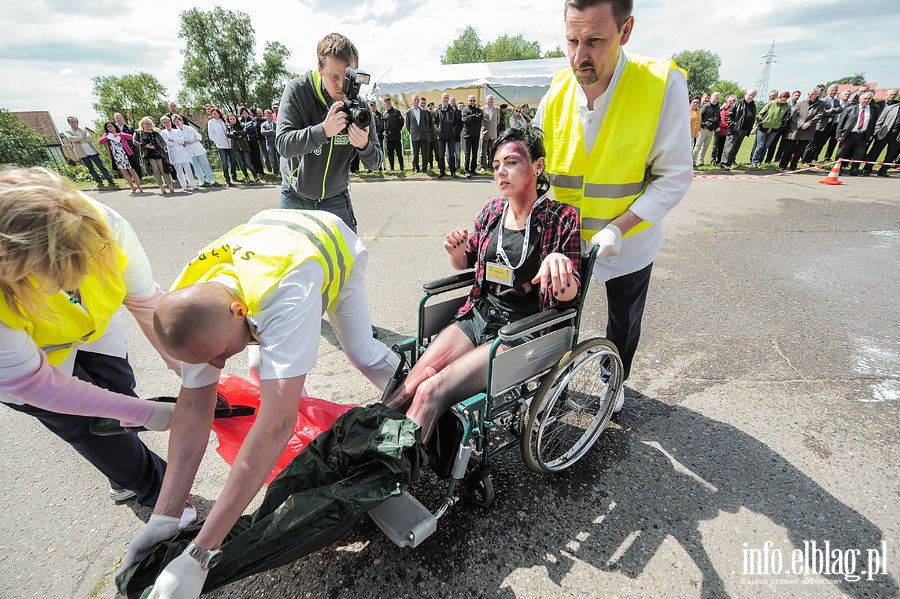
[(482, 323)]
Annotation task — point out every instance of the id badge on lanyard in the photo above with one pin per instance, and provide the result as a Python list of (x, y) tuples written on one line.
[(502, 271)]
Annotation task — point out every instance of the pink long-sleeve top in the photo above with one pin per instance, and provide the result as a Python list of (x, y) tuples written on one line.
[(126, 136)]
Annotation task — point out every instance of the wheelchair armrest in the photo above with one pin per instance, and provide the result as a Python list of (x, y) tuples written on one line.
[(457, 281), (535, 322)]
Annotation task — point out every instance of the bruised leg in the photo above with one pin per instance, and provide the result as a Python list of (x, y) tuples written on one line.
[(462, 378), (450, 344)]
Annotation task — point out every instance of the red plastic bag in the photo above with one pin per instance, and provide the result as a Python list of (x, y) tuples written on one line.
[(313, 417)]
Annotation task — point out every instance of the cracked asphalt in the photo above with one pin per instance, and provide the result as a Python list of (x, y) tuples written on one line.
[(761, 418)]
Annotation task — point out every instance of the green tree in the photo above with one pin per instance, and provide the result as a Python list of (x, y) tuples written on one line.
[(858, 78), (19, 144), (725, 87), (702, 68), (555, 53), (466, 48), (218, 55), (135, 96), (511, 48), (273, 74)]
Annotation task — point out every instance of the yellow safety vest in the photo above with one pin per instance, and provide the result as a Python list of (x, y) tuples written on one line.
[(256, 256), (604, 184), (65, 321)]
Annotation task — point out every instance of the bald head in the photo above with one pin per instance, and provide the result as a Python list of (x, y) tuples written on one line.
[(203, 323)]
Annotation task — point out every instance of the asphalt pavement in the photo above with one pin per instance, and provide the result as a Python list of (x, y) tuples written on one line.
[(760, 422)]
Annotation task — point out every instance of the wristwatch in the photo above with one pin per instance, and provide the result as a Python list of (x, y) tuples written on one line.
[(207, 558)]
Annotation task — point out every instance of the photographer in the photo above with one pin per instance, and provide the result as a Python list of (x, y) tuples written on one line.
[(316, 138)]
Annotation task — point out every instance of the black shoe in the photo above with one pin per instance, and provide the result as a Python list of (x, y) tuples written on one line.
[(441, 176), (865, 174), (880, 174), (853, 174)]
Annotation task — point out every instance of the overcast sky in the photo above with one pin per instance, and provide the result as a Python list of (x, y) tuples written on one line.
[(51, 49)]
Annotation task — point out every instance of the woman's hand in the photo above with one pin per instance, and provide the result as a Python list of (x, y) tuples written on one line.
[(556, 274), (455, 244)]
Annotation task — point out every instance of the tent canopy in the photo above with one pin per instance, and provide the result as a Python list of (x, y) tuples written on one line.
[(510, 82)]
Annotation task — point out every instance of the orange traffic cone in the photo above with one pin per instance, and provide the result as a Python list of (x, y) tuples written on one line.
[(832, 178)]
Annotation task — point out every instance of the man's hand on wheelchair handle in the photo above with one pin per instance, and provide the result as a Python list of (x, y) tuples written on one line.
[(609, 240)]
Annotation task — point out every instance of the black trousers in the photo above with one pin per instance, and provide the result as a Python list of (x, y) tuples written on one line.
[(419, 154), (394, 147), (471, 155), (893, 149), (123, 459), (791, 150), (626, 297), (853, 147)]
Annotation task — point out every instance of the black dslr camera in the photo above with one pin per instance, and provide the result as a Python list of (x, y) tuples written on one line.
[(357, 113)]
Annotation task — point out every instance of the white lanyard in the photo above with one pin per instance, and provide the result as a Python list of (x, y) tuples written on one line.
[(501, 253)]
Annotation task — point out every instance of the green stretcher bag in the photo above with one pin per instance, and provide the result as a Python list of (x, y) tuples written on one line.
[(368, 455)]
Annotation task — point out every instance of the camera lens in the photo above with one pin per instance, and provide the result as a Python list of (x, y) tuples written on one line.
[(361, 117)]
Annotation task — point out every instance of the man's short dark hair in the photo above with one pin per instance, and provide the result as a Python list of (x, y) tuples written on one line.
[(621, 9), (338, 46)]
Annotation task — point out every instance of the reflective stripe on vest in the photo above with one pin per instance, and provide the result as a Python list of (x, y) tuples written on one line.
[(63, 324), (604, 184), (257, 255)]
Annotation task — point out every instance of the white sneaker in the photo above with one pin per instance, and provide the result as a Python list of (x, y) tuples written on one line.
[(120, 495), (188, 516), (620, 400)]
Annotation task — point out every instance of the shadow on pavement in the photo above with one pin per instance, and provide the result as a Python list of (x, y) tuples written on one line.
[(659, 474)]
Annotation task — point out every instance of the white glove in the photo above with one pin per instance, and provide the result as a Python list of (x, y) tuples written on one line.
[(183, 578), (161, 416), (609, 240), (157, 529)]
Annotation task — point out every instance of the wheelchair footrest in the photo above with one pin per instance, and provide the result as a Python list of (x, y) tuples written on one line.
[(404, 520)]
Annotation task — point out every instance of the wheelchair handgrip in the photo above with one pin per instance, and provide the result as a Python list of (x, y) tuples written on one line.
[(463, 279), (535, 322)]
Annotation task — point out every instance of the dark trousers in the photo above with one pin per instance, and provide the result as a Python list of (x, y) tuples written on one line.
[(419, 152), (818, 143), (893, 148), (471, 155), (123, 459), (227, 164), (93, 161), (447, 149), (791, 149), (394, 147), (264, 149), (776, 136), (255, 158), (339, 204), (732, 147), (832, 142), (719, 148), (625, 298), (853, 147)]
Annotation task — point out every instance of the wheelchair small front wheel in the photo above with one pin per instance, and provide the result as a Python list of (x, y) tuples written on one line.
[(480, 491), (572, 406)]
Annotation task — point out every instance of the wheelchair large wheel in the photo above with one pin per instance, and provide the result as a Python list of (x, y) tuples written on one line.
[(572, 406)]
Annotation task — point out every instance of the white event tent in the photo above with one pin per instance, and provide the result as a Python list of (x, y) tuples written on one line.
[(512, 82)]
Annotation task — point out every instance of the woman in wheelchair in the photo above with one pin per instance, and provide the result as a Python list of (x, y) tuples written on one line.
[(525, 248)]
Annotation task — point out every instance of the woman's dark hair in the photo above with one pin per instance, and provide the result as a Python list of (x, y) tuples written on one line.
[(532, 139), (106, 127)]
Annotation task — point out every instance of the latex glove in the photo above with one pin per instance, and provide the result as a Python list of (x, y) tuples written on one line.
[(160, 417), (609, 240), (157, 529), (183, 578)]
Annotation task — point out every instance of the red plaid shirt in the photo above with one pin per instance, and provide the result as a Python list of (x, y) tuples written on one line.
[(558, 226)]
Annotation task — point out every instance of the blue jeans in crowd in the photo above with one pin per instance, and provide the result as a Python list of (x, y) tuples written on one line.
[(764, 137), (225, 159)]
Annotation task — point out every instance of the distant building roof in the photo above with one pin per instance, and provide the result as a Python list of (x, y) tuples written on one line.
[(41, 122)]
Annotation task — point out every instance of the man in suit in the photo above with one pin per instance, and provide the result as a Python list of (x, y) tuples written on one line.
[(855, 129), (445, 119), (471, 117), (134, 158), (489, 122), (887, 133), (802, 129), (418, 123), (827, 126), (393, 127)]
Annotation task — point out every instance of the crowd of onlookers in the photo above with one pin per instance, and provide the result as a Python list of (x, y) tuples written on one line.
[(174, 149), (789, 131), (447, 137)]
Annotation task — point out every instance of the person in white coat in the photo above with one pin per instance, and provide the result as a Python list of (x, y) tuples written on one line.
[(178, 154), (193, 143)]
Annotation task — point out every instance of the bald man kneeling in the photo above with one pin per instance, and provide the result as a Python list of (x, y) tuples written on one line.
[(268, 282)]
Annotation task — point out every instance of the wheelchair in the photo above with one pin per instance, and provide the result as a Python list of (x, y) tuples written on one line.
[(549, 394)]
